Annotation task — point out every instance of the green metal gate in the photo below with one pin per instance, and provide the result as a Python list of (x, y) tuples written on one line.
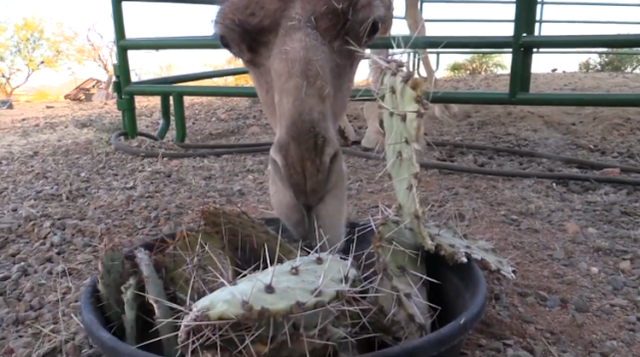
[(521, 46)]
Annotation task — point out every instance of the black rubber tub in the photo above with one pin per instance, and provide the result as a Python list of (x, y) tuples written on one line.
[(461, 297)]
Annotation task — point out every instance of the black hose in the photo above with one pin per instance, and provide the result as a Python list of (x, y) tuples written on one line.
[(263, 147)]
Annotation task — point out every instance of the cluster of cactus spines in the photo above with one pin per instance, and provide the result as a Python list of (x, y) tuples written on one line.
[(290, 309), (196, 265), (400, 290), (157, 297), (403, 122), (251, 243)]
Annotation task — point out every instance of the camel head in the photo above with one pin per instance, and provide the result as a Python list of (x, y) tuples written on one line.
[(302, 56)]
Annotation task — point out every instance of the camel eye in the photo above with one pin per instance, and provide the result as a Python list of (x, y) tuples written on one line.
[(224, 42), (373, 29)]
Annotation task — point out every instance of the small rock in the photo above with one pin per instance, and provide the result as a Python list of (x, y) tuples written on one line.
[(618, 302), (613, 171), (254, 130), (81, 243), (625, 266), (495, 346), (583, 267), (631, 319), (581, 306), (572, 228), (519, 353), (541, 295), (57, 240), (553, 302), (608, 348), (559, 254), (10, 320), (72, 350), (19, 343), (36, 304), (593, 271), (616, 282)]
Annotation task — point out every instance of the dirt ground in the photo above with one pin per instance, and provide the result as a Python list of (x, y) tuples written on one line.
[(576, 245)]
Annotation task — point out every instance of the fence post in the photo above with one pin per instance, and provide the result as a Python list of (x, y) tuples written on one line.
[(126, 102), (521, 59)]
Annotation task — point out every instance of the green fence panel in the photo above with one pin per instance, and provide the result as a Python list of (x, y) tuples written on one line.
[(521, 45)]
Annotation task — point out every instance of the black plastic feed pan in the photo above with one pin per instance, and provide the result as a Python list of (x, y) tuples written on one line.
[(461, 297)]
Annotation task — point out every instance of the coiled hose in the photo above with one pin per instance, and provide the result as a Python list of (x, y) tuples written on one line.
[(205, 150)]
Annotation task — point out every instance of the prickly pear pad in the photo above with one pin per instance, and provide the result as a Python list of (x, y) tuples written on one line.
[(298, 298), (280, 286)]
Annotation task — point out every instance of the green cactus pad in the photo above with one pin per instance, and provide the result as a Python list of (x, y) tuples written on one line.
[(290, 309), (113, 275), (457, 249)]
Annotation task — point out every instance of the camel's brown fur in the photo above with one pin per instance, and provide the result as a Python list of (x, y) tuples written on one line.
[(301, 57)]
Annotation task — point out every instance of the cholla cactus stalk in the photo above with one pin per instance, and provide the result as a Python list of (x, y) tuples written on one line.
[(296, 308), (158, 298)]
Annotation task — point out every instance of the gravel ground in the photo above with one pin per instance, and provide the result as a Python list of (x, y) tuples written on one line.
[(64, 192)]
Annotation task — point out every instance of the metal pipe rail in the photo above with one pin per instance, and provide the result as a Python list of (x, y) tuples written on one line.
[(521, 45), (414, 57)]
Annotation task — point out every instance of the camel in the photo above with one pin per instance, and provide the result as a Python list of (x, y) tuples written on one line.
[(302, 57)]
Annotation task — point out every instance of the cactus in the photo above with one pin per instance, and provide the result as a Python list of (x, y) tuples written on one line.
[(400, 291), (130, 299), (402, 118), (403, 122), (157, 297), (457, 249), (113, 275), (291, 309), (196, 265), (252, 244)]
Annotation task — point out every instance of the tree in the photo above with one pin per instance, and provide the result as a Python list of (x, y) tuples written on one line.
[(95, 49), (30, 46), (486, 63), (612, 62)]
